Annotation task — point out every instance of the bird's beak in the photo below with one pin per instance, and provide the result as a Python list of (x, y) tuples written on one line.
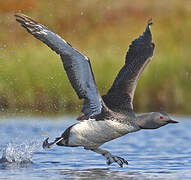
[(172, 121)]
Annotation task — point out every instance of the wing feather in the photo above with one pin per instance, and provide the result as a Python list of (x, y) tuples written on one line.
[(120, 96), (76, 65)]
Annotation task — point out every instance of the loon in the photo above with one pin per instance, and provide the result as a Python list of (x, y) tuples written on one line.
[(106, 117)]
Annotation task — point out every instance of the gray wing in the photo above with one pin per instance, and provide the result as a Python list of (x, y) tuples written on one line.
[(77, 65), (120, 96)]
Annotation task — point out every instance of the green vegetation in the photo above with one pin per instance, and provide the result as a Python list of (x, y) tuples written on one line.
[(32, 78)]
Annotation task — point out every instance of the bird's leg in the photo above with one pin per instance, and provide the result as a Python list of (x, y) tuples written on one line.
[(46, 144), (110, 158)]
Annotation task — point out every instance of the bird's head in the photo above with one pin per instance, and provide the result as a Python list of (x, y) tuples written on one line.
[(154, 120)]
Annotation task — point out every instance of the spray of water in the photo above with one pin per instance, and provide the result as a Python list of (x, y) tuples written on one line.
[(19, 153)]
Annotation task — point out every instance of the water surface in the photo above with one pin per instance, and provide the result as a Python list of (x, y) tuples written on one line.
[(164, 153)]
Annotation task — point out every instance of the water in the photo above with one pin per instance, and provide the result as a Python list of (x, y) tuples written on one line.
[(164, 153)]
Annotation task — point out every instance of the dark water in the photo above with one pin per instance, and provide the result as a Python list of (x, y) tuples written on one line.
[(164, 153)]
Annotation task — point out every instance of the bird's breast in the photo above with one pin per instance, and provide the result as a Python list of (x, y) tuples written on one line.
[(91, 133)]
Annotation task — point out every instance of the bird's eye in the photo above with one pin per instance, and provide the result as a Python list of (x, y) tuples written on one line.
[(161, 117)]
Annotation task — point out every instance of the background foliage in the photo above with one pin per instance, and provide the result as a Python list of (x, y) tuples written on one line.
[(32, 78)]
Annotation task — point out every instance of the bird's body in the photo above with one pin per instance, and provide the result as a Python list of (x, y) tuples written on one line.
[(89, 133), (107, 117)]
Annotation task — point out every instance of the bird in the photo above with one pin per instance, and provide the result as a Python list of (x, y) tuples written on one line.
[(107, 117)]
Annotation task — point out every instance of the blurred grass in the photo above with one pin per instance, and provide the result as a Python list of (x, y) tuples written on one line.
[(32, 78)]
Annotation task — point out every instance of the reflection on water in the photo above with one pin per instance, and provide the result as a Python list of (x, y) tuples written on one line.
[(156, 154), (95, 174)]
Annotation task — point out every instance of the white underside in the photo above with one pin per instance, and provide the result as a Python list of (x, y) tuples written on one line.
[(92, 134)]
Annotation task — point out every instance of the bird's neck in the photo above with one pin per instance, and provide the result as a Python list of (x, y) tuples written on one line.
[(145, 121)]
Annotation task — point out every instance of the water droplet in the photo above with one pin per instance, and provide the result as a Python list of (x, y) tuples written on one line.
[(19, 153)]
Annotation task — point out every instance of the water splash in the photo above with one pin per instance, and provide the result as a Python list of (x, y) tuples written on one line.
[(19, 153)]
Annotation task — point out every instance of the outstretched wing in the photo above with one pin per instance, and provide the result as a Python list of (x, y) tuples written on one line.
[(77, 65), (120, 96)]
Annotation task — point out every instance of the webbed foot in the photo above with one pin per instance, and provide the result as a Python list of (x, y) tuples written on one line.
[(116, 159), (110, 158), (46, 144)]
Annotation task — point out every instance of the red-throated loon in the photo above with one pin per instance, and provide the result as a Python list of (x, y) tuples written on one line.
[(105, 117)]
